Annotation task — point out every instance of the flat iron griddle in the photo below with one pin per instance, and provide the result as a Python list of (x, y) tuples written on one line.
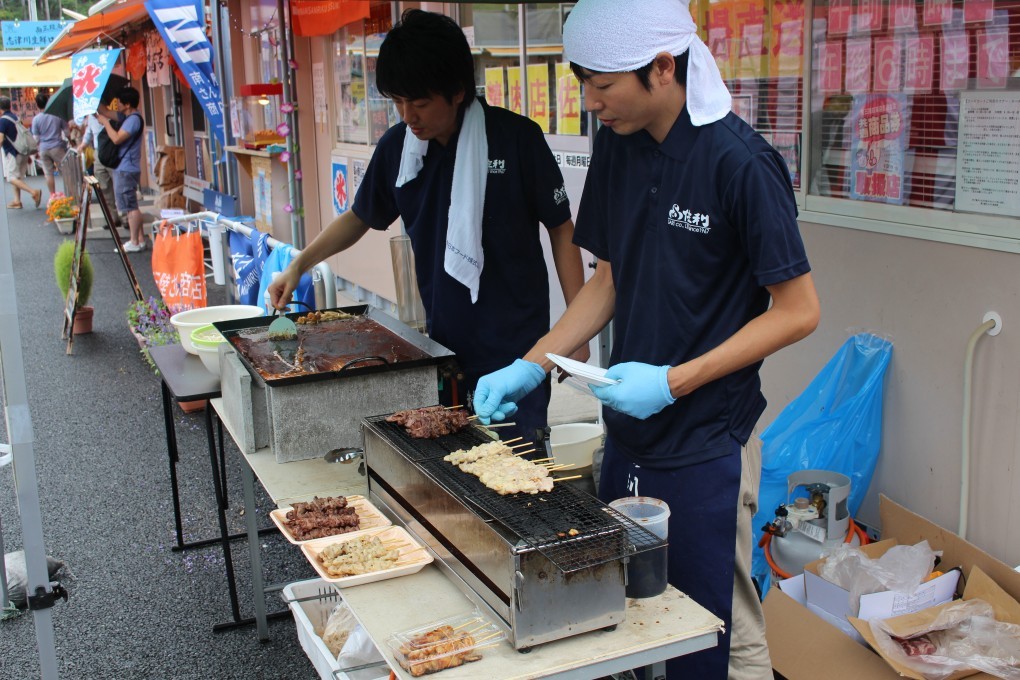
[(542, 521)]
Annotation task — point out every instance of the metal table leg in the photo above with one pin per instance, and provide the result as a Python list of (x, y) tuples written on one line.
[(222, 517), (258, 586), (171, 447)]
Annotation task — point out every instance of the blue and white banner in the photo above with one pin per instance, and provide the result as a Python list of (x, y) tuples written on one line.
[(90, 70), (180, 24), (30, 35)]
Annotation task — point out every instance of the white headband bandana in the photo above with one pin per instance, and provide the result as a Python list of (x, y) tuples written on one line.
[(614, 36)]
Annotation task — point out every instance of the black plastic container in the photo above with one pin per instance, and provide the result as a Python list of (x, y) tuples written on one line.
[(647, 572)]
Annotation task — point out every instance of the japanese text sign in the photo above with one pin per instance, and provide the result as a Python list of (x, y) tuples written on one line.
[(568, 101), (879, 133), (90, 71), (30, 35)]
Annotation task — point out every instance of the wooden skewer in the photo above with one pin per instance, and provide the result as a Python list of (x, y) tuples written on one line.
[(468, 622), (515, 439), (451, 408), (540, 460), (476, 628), (564, 479), (493, 425), (517, 446), (491, 644), (471, 417), (564, 466), (487, 637), (521, 453)]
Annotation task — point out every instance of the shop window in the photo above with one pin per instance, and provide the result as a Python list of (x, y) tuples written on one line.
[(912, 103), (362, 114), (759, 47)]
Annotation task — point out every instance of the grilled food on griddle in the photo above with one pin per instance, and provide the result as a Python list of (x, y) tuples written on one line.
[(430, 422), (497, 468)]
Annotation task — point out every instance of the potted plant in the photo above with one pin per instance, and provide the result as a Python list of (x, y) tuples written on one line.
[(62, 211), (149, 321), (62, 272)]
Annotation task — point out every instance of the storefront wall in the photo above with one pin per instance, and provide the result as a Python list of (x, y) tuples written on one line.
[(890, 251)]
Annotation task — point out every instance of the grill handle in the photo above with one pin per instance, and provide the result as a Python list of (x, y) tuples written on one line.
[(359, 360)]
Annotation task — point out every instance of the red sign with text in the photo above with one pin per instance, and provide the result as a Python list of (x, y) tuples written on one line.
[(888, 60), (919, 67), (858, 65), (830, 67)]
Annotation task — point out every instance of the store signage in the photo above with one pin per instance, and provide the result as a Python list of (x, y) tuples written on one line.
[(830, 67), (955, 61), (888, 58), (224, 204), (495, 86), (978, 10), (180, 24), (513, 88), (568, 101), (938, 12), (988, 153), (840, 13), (902, 14), (91, 71), (919, 69), (30, 35), (341, 194), (194, 188), (858, 65), (992, 58), (880, 124), (538, 95), (869, 16)]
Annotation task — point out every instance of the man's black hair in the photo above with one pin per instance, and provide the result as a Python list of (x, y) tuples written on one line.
[(41, 99), (5, 103), (423, 55), (129, 96), (643, 73)]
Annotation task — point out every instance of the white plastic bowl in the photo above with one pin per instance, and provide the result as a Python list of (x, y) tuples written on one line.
[(210, 357), (574, 444), (187, 321)]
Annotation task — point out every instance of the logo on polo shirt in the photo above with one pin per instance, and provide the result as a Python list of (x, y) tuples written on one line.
[(497, 166), (685, 219), (560, 195)]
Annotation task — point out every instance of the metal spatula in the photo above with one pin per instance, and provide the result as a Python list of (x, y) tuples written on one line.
[(282, 328)]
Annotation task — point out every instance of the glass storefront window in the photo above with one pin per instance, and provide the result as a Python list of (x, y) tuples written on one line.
[(759, 47), (362, 114), (891, 81)]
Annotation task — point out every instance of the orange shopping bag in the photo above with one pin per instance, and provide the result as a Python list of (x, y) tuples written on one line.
[(178, 268)]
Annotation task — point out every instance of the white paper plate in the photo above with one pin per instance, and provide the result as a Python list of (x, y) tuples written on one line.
[(586, 372)]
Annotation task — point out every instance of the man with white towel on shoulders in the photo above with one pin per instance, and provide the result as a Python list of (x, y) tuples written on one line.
[(693, 219), (471, 183)]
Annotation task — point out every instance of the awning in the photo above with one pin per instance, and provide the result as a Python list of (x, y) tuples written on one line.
[(106, 18), (20, 72), (533, 50)]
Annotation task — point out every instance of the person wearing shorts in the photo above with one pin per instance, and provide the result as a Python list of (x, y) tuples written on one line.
[(50, 131), (15, 164), (128, 173), (103, 174)]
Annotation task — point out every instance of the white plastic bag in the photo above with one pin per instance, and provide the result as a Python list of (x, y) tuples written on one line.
[(360, 650), (339, 626), (902, 569), (964, 635)]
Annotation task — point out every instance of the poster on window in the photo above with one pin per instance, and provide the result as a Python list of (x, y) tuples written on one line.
[(988, 153), (829, 67), (359, 166), (840, 16), (938, 12), (341, 195), (878, 140), (992, 59), (978, 11), (513, 88), (788, 146), (869, 16), (568, 101), (858, 65), (495, 86), (919, 64), (888, 65), (902, 15), (538, 95), (743, 106), (955, 61), (262, 185)]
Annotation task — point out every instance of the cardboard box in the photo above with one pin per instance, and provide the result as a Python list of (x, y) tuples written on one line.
[(979, 586), (804, 647), (832, 602)]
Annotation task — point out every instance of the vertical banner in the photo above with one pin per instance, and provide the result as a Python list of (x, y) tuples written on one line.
[(513, 88), (538, 95), (495, 87), (338, 175), (180, 24), (888, 65), (858, 65), (157, 61), (829, 67), (919, 66), (879, 134), (91, 70), (568, 101)]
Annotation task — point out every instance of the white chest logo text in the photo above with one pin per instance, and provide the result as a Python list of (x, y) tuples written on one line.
[(497, 166), (685, 219)]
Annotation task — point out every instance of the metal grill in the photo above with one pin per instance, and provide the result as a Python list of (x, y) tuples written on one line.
[(572, 529)]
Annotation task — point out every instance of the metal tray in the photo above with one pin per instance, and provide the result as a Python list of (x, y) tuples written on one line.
[(360, 365)]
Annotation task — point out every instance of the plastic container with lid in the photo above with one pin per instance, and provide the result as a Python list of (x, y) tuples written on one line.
[(446, 643), (206, 341), (646, 571)]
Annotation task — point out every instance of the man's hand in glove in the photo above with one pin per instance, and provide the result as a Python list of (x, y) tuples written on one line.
[(643, 389), (497, 393)]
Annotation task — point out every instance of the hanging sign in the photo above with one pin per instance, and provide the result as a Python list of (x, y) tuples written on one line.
[(30, 35), (878, 140), (513, 88), (157, 62), (91, 70), (495, 84), (538, 95), (180, 24), (568, 101), (341, 194)]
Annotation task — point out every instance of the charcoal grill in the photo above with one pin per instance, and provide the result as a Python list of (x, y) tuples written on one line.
[(548, 565)]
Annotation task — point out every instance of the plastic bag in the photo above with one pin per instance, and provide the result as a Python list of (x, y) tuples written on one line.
[(339, 626), (17, 576), (964, 635), (834, 424), (903, 568), (360, 650), (178, 268)]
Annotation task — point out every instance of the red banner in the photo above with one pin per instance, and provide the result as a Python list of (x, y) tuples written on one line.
[(325, 17)]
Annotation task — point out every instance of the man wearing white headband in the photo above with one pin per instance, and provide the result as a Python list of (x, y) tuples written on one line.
[(471, 184), (693, 218)]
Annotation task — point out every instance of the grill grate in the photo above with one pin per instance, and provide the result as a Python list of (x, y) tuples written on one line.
[(542, 521)]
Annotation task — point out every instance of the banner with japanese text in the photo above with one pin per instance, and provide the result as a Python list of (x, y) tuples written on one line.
[(495, 84), (568, 101), (513, 88), (538, 95), (31, 35), (90, 71), (879, 135), (180, 24)]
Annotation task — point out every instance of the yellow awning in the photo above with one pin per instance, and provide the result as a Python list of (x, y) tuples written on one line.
[(20, 72), (533, 51), (107, 19)]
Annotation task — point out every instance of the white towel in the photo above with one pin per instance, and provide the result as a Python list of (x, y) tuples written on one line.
[(464, 257), (614, 36)]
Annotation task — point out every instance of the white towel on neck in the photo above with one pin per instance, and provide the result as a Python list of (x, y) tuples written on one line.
[(614, 36), (412, 157)]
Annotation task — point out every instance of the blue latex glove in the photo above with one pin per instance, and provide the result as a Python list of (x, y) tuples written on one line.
[(642, 392), (497, 393)]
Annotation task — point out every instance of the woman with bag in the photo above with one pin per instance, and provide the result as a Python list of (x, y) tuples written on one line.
[(15, 164)]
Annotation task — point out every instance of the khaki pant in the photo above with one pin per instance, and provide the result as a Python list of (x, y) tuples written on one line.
[(749, 653), (105, 177)]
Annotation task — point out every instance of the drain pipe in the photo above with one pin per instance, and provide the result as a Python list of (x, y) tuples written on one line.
[(992, 325)]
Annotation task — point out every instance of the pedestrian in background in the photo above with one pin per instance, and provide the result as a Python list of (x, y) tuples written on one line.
[(50, 131), (15, 164)]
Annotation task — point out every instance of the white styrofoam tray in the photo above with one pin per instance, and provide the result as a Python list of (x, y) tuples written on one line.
[(413, 557), (368, 515)]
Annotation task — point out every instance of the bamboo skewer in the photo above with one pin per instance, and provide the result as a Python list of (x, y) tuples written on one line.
[(453, 408), (564, 479), (467, 623), (541, 460), (521, 453), (488, 637), (493, 425), (515, 439)]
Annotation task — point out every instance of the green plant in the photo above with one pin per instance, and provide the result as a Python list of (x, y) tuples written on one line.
[(151, 320), (62, 271)]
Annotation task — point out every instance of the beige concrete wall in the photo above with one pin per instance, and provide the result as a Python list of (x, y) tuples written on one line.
[(929, 297)]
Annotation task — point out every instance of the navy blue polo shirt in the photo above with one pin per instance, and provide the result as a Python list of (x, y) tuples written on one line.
[(694, 229), (9, 131), (524, 187)]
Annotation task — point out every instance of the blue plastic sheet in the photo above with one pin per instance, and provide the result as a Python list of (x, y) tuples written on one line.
[(277, 261), (254, 264), (835, 424)]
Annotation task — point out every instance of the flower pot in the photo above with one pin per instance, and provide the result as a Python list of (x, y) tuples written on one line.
[(192, 406), (83, 320), (65, 225)]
